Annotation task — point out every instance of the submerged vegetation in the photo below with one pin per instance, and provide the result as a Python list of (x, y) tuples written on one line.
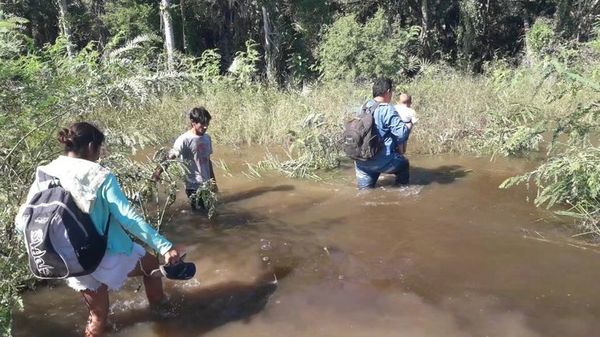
[(532, 96)]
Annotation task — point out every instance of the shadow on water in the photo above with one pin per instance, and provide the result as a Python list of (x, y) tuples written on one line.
[(201, 310), (255, 192), (49, 327), (189, 228), (420, 176), (445, 174), (227, 217), (196, 312)]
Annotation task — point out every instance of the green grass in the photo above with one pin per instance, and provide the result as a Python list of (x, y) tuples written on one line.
[(456, 110)]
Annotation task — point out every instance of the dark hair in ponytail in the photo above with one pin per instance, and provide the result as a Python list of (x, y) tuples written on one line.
[(77, 137)]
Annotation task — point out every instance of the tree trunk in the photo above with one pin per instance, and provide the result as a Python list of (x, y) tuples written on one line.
[(528, 60), (186, 43), (165, 9), (563, 15), (98, 10), (65, 24), (225, 34), (34, 27), (586, 14), (269, 48), (425, 26)]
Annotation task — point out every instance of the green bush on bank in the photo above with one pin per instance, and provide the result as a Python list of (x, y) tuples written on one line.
[(567, 120), (351, 50), (540, 36)]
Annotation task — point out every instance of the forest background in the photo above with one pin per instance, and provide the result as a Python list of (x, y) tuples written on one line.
[(504, 77)]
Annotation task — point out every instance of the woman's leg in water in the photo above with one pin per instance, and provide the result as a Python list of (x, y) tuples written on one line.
[(97, 303), (152, 285)]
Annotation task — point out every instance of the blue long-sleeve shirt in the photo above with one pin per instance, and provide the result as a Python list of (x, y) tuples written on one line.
[(124, 217), (392, 131)]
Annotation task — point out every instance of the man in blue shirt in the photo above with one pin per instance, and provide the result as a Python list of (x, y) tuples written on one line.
[(392, 131)]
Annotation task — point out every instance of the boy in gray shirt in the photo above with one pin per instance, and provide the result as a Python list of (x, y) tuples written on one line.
[(195, 148)]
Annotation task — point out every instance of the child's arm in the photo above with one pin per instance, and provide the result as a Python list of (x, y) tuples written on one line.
[(210, 164), (173, 153), (160, 168), (212, 176), (212, 172)]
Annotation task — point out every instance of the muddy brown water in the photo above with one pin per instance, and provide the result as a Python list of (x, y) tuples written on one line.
[(451, 255)]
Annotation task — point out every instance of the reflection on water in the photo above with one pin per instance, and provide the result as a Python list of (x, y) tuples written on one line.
[(450, 255)]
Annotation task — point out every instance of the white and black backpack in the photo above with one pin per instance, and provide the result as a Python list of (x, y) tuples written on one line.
[(61, 240)]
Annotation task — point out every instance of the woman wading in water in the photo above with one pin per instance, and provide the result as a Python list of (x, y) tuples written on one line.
[(96, 192)]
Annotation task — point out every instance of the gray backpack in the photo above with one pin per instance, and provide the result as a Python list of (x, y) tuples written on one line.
[(61, 240), (360, 138)]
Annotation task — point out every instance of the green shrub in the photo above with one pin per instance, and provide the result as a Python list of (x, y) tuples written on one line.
[(595, 42), (540, 36), (126, 19), (570, 175), (244, 67), (315, 146), (350, 50)]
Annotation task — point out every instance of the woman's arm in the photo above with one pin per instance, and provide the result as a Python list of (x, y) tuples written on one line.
[(122, 210)]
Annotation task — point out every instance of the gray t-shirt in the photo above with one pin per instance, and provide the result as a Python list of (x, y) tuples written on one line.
[(196, 151)]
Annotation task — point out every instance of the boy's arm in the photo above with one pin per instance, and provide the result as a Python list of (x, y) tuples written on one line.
[(173, 153), (212, 176), (162, 166), (210, 163), (212, 172)]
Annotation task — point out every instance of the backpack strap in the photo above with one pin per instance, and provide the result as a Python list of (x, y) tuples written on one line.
[(44, 177), (372, 108), (375, 109), (55, 182)]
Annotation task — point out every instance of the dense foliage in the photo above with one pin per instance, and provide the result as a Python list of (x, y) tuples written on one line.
[(351, 50), (44, 89), (466, 33)]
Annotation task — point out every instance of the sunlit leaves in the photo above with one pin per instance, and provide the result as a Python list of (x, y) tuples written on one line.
[(152, 198), (351, 50)]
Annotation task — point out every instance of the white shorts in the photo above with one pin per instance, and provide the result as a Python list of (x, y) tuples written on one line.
[(112, 271)]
